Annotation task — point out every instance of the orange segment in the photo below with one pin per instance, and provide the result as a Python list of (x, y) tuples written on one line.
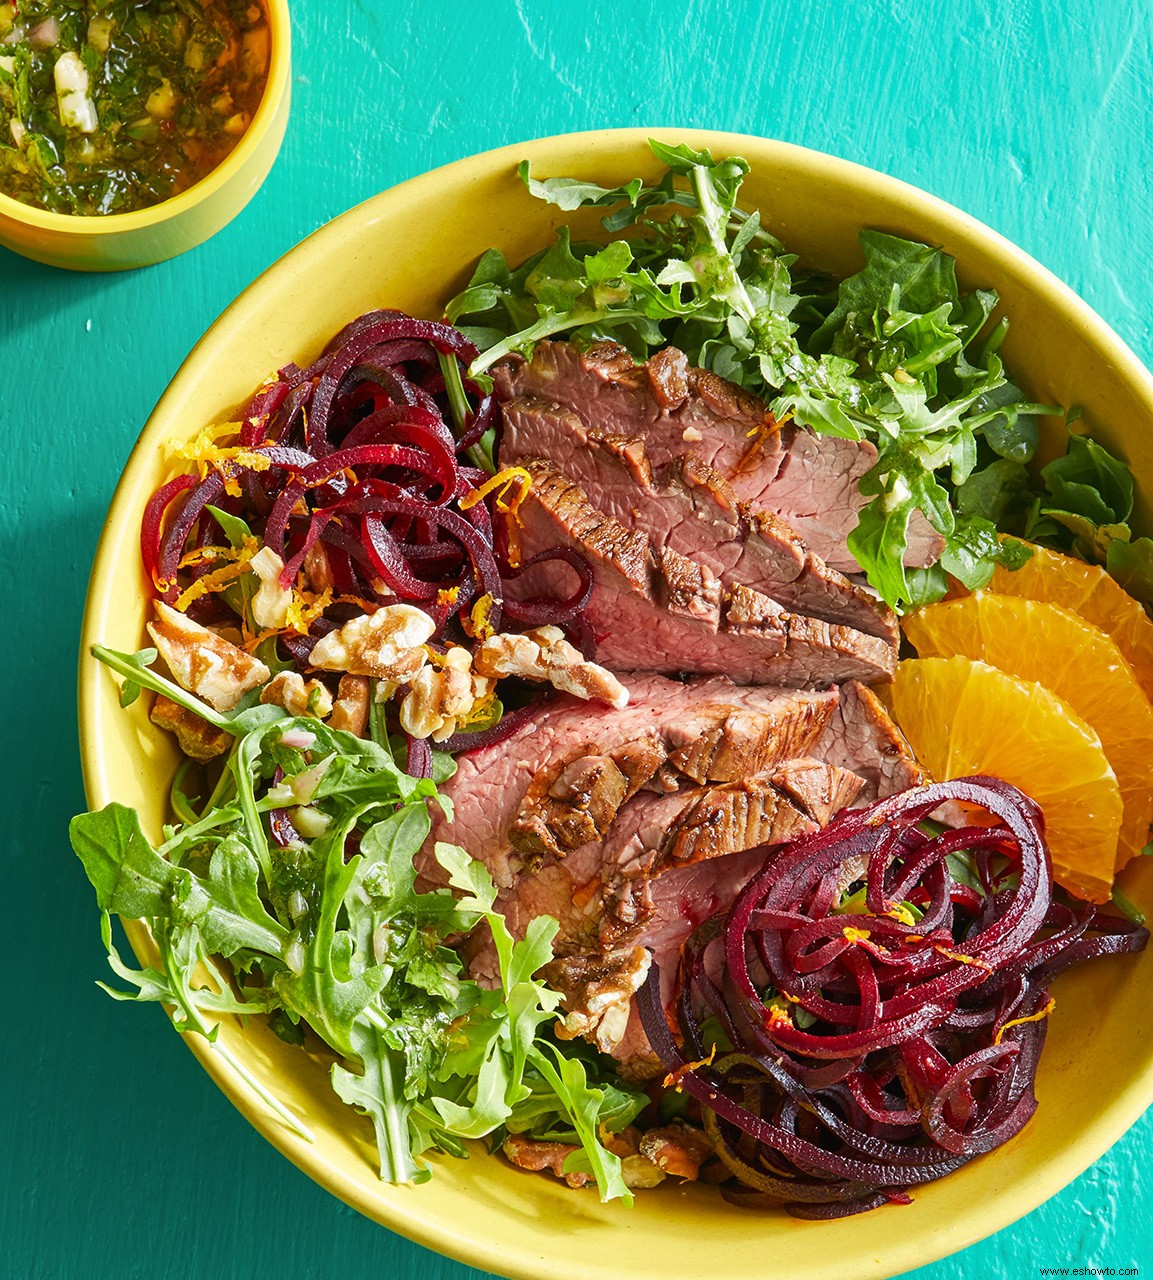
[(963, 717), (1076, 661), (1091, 594)]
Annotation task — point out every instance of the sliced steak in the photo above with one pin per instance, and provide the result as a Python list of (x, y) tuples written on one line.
[(715, 421), (689, 508), (657, 610), (862, 737), (669, 862), (602, 893), (812, 481), (702, 731)]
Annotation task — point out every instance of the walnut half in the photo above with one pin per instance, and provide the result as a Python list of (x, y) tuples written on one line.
[(203, 662), (437, 701), (387, 644), (543, 654)]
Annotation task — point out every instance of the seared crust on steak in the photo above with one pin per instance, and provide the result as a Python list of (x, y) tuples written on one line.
[(690, 508), (717, 731), (811, 481), (668, 613)]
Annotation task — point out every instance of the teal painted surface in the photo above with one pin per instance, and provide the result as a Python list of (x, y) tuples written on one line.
[(118, 1157)]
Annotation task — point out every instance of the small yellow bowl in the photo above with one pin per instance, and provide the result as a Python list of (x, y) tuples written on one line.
[(412, 248), (121, 240)]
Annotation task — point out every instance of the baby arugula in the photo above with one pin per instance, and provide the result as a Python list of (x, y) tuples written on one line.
[(333, 933), (896, 354)]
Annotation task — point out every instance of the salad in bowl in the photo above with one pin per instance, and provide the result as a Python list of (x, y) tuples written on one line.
[(551, 765)]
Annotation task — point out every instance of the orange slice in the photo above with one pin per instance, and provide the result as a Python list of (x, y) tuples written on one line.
[(963, 717), (1092, 594), (1073, 659)]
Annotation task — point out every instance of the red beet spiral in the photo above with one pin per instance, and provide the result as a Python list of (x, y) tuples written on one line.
[(863, 1052)]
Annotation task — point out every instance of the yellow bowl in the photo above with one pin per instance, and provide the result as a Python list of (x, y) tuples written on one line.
[(412, 248), (138, 239)]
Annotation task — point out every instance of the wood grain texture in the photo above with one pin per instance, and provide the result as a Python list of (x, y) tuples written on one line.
[(118, 1159)]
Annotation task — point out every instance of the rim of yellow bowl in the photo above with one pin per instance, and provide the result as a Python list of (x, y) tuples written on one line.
[(106, 224), (901, 1250)]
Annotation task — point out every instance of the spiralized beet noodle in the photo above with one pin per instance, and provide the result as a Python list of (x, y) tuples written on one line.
[(349, 471), (881, 1047)]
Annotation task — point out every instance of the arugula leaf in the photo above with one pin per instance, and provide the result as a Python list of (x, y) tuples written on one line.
[(136, 668), (1088, 481), (337, 937), (378, 1092), (1083, 505), (132, 880), (1131, 564), (572, 193), (504, 1052)]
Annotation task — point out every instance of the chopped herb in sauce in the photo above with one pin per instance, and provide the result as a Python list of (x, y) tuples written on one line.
[(112, 105)]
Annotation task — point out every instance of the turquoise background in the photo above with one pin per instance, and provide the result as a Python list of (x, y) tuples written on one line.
[(118, 1157)]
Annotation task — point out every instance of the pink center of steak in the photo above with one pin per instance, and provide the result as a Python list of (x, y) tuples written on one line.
[(810, 481), (688, 508), (656, 609)]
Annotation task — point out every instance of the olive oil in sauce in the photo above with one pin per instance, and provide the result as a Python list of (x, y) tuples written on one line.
[(107, 106)]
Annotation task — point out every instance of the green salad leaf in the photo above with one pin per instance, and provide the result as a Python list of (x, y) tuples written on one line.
[(334, 934), (1081, 504)]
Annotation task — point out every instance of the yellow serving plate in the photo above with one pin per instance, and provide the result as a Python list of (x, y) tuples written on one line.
[(412, 248)]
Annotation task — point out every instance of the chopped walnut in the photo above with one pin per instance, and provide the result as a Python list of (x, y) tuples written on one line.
[(437, 701), (271, 603), (534, 1154), (678, 1150), (350, 710), (544, 654), (297, 696), (198, 739), (598, 993), (638, 1172), (202, 662), (387, 644)]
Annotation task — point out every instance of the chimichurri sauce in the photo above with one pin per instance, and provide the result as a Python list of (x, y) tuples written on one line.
[(112, 105)]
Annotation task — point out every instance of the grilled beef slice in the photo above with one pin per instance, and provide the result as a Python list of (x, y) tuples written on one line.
[(713, 775), (668, 863), (689, 508), (862, 737), (653, 609), (811, 481), (521, 800)]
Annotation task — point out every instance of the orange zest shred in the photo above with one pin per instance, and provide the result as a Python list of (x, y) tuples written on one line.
[(766, 429), (217, 580), (207, 453), (962, 958), (206, 555), (1033, 1017), (477, 624), (503, 480), (506, 505), (673, 1079), (305, 608), (778, 1018), (445, 597), (863, 938)]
